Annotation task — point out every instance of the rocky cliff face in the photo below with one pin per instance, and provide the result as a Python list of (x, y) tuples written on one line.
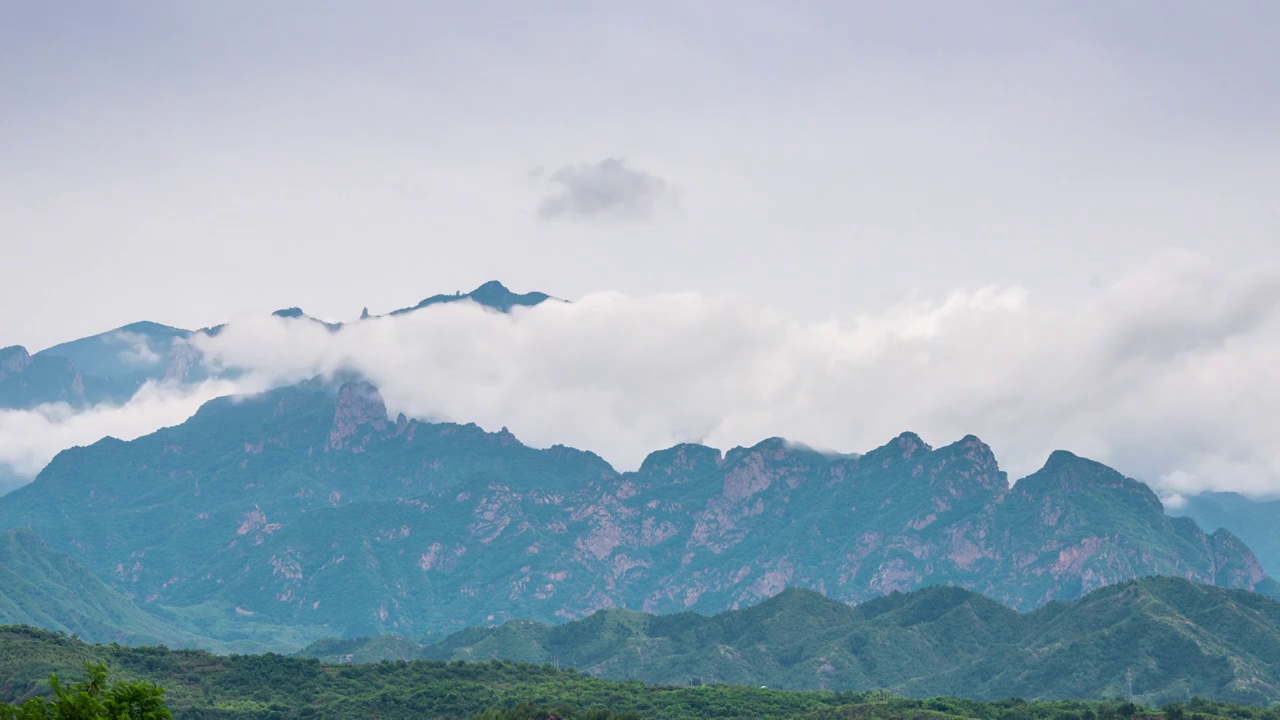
[(311, 507), (27, 381), (13, 360)]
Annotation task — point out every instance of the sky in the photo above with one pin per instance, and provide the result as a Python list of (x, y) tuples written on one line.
[(790, 173)]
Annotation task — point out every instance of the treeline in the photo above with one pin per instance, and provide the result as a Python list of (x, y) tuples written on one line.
[(202, 686)]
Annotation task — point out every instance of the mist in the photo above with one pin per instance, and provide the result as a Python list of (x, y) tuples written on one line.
[(1164, 374)]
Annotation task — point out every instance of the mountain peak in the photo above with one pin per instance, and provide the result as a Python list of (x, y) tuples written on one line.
[(492, 286), (681, 459), (293, 312), (1072, 472), (972, 447), (1096, 490), (897, 450), (910, 442), (969, 468), (13, 360), (1061, 458), (492, 294), (803, 605)]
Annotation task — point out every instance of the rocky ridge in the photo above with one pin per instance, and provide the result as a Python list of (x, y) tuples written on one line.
[(310, 507)]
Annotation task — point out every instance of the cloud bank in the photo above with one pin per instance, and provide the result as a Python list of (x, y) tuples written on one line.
[(1168, 375), (30, 438)]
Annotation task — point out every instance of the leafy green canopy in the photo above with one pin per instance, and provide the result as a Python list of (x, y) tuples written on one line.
[(93, 699), (202, 686)]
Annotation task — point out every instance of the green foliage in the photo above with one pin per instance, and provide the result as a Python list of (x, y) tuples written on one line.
[(1173, 638), (530, 711), (47, 589), (240, 687), (93, 699)]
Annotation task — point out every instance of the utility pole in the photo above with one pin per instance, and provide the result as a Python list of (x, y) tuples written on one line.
[(1128, 683)]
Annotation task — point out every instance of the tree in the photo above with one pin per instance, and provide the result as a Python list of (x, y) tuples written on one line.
[(93, 699)]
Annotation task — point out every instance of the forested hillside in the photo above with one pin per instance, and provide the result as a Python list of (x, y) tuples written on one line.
[(1165, 638), (200, 686)]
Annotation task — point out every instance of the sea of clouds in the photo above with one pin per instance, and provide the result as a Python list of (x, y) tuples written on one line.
[(1169, 375)]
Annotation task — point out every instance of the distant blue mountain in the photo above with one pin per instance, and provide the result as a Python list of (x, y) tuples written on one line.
[(1253, 521), (492, 294), (110, 366)]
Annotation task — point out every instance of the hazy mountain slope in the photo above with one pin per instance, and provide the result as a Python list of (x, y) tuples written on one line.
[(43, 588), (108, 367), (10, 479), (112, 365), (26, 381), (1255, 522), (1175, 637), (308, 507), (123, 358)]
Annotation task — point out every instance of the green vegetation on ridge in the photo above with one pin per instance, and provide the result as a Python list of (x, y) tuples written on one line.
[(200, 686), (93, 699), (1170, 638), (46, 589)]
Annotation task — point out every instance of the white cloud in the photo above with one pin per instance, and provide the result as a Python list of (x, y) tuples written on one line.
[(30, 438), (138, 350), (1168, 375), (610, 189)]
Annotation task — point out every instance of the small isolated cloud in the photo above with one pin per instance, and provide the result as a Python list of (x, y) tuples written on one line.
[(609, 189)]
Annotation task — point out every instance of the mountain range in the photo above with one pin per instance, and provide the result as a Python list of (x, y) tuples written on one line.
[(1166, 638), (276, 687), (308, 514), (110, 367), (1159, 639), (306, 510)]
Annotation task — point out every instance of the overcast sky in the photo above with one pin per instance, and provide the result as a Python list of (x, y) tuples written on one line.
[(188, 162), (1087, 189)]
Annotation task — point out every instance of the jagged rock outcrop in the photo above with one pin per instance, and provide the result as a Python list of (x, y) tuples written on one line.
[(13, 360), (359, 408), (27, 381)]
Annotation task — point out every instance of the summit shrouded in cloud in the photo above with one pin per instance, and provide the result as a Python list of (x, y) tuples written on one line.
[(914, 347), (1163, 375), (1052, 225)]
